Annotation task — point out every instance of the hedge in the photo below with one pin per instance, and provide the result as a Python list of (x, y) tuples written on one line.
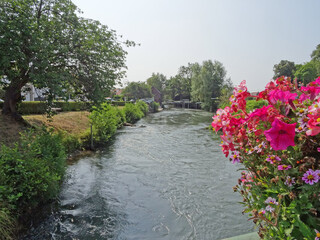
[(37, 107)]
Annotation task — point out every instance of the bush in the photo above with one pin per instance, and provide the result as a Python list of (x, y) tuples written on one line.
[(72, 106), (105, 121), (133, 112), (31, 171), (154, 107), (279, 146), (118, 103), (7, 225), (254, 104), (35, 107), (143, 107)]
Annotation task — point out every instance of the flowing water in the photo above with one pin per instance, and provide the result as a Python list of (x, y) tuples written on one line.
[(165, 178)]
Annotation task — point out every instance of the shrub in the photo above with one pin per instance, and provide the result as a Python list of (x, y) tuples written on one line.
[(279, 147), (142, 106), (7, 225), (105, 121), (254, 104), (72, 106), (154, 107), (133, 113), (31, 171), (35, 107), (118, 103)]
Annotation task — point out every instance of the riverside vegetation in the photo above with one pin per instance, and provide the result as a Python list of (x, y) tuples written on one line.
[(31, 170)]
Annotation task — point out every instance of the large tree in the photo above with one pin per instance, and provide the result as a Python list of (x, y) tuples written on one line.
[(137, 90), (45, 43), (179, 86), (284, 68), (315, 55), (308, 72), (207, 82), (158, 81)]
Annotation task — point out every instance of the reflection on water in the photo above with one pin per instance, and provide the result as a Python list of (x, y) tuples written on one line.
[(165, 180)]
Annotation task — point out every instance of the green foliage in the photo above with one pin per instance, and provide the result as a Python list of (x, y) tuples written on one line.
[(118, 103), (284, 68), (31, 171), (308, 72), (226, 92), (154, 106), (36, 107), (73, 142), (133, 112), (315, 55), (207, 82), (143, 107), (50, 46), (158, 81), (254, 104), (71, 106), (137, 90), (7, 225), (105, 119)]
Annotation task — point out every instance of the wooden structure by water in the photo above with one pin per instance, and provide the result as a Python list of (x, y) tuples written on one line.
[(185, 103)]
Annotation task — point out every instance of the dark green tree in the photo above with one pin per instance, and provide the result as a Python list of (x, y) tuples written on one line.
[(179, 86), (158, 81), (284, 68), (45, 43), (137, 90), (315, 55), (307, 72)]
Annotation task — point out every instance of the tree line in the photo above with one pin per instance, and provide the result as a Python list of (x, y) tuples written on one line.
[(304, 73), (197, 82)]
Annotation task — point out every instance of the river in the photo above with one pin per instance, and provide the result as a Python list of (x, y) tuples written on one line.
[(165, 178)]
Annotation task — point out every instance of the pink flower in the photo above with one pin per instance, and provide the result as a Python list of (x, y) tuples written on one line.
[(272, 202), (273, 159), (317, 235), (281, 135), (284, 167), (290, 181), (310, 177), (261, 113), (235, 157), (314, 127), (282, 96)]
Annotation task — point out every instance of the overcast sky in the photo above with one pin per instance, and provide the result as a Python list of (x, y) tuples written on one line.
[(247, 36)]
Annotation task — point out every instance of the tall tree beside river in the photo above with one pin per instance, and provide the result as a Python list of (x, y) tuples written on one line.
[(207, 81), (45, 43)]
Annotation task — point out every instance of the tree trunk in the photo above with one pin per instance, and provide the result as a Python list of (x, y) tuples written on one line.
[(11, 98)]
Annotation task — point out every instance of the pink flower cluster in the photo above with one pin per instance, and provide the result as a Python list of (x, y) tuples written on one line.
[(291, 112)]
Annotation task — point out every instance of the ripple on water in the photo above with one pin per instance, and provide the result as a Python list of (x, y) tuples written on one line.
[(167, 180)]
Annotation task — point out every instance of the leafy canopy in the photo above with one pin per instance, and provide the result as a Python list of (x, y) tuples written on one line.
[(46, 43)]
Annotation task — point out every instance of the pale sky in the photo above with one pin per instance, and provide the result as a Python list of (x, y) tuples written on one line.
[(247, 36)]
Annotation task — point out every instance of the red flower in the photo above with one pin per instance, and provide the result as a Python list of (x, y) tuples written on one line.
[(281, 135)]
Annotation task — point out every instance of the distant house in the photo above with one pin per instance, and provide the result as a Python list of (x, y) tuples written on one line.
[(157, 95), (117, 91), (255, 94)]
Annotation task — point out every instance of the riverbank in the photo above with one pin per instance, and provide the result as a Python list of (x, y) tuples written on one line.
[(33, 160)]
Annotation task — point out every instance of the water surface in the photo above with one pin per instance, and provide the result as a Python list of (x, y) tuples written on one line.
[(166, 178)]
